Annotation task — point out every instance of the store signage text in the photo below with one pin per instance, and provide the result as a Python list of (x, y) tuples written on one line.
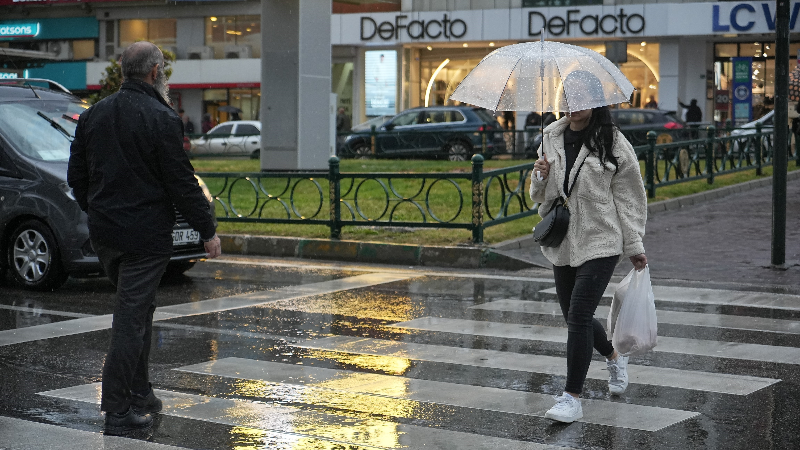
[(8, 76), (588, 24), (415, 29), (743, 17), (16, 30)]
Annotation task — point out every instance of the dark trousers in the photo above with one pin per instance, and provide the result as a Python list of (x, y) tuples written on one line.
[(579, 291), (136, 278)]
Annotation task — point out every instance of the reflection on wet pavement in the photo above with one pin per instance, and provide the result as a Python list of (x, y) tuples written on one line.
[(249, 356)]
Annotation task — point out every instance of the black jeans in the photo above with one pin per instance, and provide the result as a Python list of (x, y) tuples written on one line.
[(579, 292), (136, 278)]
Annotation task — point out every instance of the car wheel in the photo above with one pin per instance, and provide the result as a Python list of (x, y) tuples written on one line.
[(362, 151), (458, 151), (33, 257), (256, 154), (177, 268)]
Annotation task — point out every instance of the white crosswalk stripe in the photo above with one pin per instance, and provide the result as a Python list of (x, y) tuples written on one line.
[(755, 352), (670, 317), (307, 429)]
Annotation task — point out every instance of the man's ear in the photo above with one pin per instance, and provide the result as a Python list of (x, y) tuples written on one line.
[(151, 77)]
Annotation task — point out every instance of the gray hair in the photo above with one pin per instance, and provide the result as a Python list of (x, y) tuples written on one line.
[(138, 60)]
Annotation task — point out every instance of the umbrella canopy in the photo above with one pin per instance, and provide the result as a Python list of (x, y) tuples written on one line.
[(794, 84), (229, 109), (544, 76)]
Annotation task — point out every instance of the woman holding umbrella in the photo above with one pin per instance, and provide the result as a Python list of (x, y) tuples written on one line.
[(584, 154)]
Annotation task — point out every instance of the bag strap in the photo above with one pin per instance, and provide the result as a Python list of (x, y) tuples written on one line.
[(569, 191)]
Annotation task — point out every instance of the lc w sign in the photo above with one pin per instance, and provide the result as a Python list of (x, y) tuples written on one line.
[(744, 17)]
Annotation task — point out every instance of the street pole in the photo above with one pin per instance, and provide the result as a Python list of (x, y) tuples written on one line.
[(780, 157)]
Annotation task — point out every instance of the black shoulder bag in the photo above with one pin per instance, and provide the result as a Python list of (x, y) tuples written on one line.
[(553, 227)]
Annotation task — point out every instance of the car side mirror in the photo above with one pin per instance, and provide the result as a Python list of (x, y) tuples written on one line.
[(389, 126)]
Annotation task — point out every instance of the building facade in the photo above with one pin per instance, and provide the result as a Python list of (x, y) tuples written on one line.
[(390, 56)]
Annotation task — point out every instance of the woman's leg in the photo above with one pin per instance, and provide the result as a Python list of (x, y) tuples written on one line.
[(579, 292)]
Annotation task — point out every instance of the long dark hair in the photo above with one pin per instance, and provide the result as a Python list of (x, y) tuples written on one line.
[(599, 135)]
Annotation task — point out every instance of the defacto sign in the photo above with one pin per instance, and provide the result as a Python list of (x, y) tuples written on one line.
[(19, 30), (573, 23), (445, 28)]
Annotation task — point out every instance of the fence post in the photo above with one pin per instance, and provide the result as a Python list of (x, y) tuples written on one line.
[(371, 139), (710, 143), (477, 199), (759, 149), (649, 164), (335, 192)]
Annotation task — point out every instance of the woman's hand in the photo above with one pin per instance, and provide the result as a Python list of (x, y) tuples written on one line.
[(541, 168), (639, 261)]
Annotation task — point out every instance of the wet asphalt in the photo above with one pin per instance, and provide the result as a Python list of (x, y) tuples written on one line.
[(260, 353), (292, 331)]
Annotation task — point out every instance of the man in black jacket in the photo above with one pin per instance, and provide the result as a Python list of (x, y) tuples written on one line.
[(127, 169)]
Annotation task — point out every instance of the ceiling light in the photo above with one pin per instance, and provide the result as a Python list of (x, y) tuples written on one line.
[(430, 48), (465, 44), (644, 43), (491, 44), (213, 19)]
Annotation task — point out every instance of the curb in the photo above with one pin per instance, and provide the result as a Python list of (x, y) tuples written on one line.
[(494, 257), (371, 252)]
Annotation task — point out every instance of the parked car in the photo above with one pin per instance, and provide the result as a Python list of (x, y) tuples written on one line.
[(44, 235), (234, 138), (636, 123), (456, 132), (767, 122), (367, 126)]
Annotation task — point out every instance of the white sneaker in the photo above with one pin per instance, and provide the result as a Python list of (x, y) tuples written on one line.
[(618, 375), (567, 409)]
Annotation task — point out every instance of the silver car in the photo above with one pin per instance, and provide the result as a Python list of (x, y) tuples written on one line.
[(235, 138)]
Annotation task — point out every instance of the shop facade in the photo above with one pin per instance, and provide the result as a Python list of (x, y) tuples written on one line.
[(671, 52), (409, 55)]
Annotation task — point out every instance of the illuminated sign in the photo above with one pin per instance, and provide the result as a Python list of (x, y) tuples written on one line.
[(380, 82), (19, 30), (8, 76), (743, 17)]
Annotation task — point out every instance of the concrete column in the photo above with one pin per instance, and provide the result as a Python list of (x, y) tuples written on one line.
[(669, 68), (295, 84)]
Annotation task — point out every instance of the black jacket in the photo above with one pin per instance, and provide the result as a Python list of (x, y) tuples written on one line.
[(127, 168)]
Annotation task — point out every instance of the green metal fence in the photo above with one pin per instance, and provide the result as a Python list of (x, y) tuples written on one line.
[(471, 200)]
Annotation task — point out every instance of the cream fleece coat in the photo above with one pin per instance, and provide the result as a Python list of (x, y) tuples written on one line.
[(608, 209)]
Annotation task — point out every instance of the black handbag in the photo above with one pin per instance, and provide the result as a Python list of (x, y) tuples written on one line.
[(553, 227)]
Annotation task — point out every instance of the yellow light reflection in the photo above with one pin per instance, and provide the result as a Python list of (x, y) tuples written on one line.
[(390, 308), (386, 364)]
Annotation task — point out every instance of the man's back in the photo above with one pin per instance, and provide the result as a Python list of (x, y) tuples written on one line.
[(127, 169)]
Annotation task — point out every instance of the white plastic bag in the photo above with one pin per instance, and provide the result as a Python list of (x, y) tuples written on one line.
[(635, 329)]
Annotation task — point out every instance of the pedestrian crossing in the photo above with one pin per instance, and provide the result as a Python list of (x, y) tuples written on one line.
[(323, 402)]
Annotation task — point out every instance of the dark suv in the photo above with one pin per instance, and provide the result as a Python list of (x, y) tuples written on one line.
[(636, 123), (456, 132), (44, 235)]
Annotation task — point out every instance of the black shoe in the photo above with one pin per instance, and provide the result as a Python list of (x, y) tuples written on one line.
[(118, 424), (146, 404)]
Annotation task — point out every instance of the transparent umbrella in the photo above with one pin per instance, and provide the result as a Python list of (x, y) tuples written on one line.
[(544, 76)]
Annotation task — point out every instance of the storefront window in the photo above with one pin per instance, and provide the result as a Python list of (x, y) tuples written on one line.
[(234, 36), (223, 105), (441, 71), (342, 86), (763, 74), (83, 49), (161, 32)]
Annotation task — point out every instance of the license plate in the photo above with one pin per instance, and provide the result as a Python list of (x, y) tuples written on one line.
[(181, 237)]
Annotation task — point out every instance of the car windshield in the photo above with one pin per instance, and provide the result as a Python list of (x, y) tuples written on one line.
[(33, 135)]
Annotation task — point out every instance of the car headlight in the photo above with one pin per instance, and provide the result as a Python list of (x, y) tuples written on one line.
[(204, 188), (67, 190)]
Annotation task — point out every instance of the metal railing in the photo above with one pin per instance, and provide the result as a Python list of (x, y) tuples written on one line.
[(715, 153), (474, 200), (471, 201)]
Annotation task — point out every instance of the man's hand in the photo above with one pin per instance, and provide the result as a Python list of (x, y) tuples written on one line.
[(213, 247), (639, 261)]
